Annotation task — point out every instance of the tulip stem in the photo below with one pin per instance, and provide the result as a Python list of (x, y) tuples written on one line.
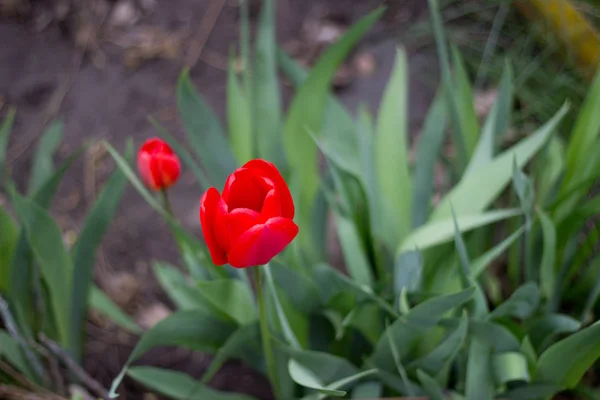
[(166, 202), (265, 334)]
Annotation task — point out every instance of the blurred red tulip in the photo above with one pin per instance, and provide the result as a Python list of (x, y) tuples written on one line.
[(159, 167), (251, 221)]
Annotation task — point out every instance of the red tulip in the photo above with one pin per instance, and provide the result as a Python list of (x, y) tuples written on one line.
[(251, 221), (158, 165)]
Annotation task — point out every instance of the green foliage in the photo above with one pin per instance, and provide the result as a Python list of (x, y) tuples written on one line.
[(45, 289)]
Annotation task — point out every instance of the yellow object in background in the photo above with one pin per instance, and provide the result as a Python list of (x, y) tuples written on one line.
[(560, 19)]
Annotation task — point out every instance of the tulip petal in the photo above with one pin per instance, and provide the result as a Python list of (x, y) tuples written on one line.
[(240, 220), (208, 209), (271, 172), (271, 206), (168, 169), (144, 160), (261, 243), (245, 190), (221, 225)]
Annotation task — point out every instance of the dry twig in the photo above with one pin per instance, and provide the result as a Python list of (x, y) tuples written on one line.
[(83, 376)]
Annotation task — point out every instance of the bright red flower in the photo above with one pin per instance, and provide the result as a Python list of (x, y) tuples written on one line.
[(251, 221), (159, 167)]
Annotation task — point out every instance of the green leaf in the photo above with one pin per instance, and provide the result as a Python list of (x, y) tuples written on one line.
[(183, 153), (399, 366), (406, 330), (480, 264), (354, 251), (445, 352), (83, 254), (205, 133), (547, 267), (532, 392), (267, 97), (299, 287), (45, 238), (522, 304), (465, 104), (408, 272), (550, 169), (180, 291), (546, 328), (442, 230), (244, 343), (391, 156), (5, 130), (8, 243), (367, 390), (239, 117), (11, 351), (565, 362), (479, 381), (193, 329), (307, 112), (232, 297), (432, 388), (582, 138), (100, 302), (494, 336), (428, 149), (283, 321), (43, 166), (476, 191), (178, 385), (305, 377), (496, 124), (510, 367)]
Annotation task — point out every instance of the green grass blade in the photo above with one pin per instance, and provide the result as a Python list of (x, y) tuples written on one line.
[(547, 267), (496, 124), (99, 301), (83, 254), (179, 386), (43, 166), (5, 131), (239, 117), (442, 231), (476, 191), (8, 244), (465, 104), (205, 133), (356, 258), (267, 96), (307, 113), (45, 239), (391, 156), (482, 262), (428, 149)]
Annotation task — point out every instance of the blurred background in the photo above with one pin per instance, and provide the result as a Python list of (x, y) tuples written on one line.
[(103, 66)]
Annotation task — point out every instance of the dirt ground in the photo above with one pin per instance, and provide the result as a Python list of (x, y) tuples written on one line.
[(110, 92)]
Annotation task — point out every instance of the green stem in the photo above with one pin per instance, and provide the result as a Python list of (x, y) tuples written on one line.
[(265, 334), (166, 202)]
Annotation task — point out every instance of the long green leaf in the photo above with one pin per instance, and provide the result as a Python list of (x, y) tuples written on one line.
[(83, 254), (193, 329), (354, 252), (232, 297), (8, 243), (205, 133), (496, 124), (391, 156), (480, 264), (521, 304), (5, 130), (180, 291), (100, 302), (479, 382), (476, 191), (431, 386), (582, 348), (43, 166), (428, 149), (442, 231), (465, 104), (307, 112), (547, 267), (45, 239), (267, 107), (178, 385), (239, 117)]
